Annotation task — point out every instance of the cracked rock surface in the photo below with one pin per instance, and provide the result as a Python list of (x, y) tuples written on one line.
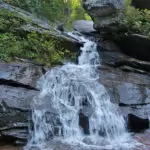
[(17, 89)]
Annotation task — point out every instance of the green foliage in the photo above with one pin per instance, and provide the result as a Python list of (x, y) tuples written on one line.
[(39, 47), (77, 12), (135, 20), (65, 11), (28, 5), (55, 11), (34, 47), (8, 46), (8, 21)]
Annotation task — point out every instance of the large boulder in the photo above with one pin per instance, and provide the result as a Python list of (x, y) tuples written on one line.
[(84, 26), (103, 12)]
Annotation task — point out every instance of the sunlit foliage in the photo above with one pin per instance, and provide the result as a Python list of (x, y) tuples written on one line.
[(33, 46), (135, 20)]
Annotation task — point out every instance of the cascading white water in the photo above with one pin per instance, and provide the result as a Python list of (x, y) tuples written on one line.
[(71, 91)]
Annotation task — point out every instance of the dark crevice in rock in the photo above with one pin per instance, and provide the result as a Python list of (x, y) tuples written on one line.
[(137, 124), (129, 105), (84, 123), (130, 66), (130, 69), (5, 140), (16, 84), (137, 65), (136, 46)]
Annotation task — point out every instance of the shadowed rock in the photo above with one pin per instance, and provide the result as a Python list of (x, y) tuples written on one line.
[(137, 124), (142, 4)]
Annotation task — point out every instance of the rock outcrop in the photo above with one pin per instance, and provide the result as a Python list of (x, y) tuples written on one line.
[(17, 89), (103, 12), (126, 79), (84, 26)]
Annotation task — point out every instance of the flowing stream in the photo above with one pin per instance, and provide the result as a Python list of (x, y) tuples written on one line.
[(74, 108)]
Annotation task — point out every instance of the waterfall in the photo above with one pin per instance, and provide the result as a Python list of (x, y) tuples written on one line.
[(75, 108)]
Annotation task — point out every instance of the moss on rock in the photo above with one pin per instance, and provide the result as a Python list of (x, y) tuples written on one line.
[(16, 43)]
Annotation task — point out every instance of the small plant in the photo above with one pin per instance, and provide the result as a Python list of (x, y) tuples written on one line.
[(135, 20)]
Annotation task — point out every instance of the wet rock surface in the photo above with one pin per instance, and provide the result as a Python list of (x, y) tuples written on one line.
[(17, 89), (144, 138), (127, 81)]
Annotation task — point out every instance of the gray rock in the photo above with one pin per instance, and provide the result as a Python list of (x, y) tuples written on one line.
[(17, 89), (148, 95), (112, 55), (130, 94), (84, 26), (18, 98), (128, 89), (103, 12), (23, 73)]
